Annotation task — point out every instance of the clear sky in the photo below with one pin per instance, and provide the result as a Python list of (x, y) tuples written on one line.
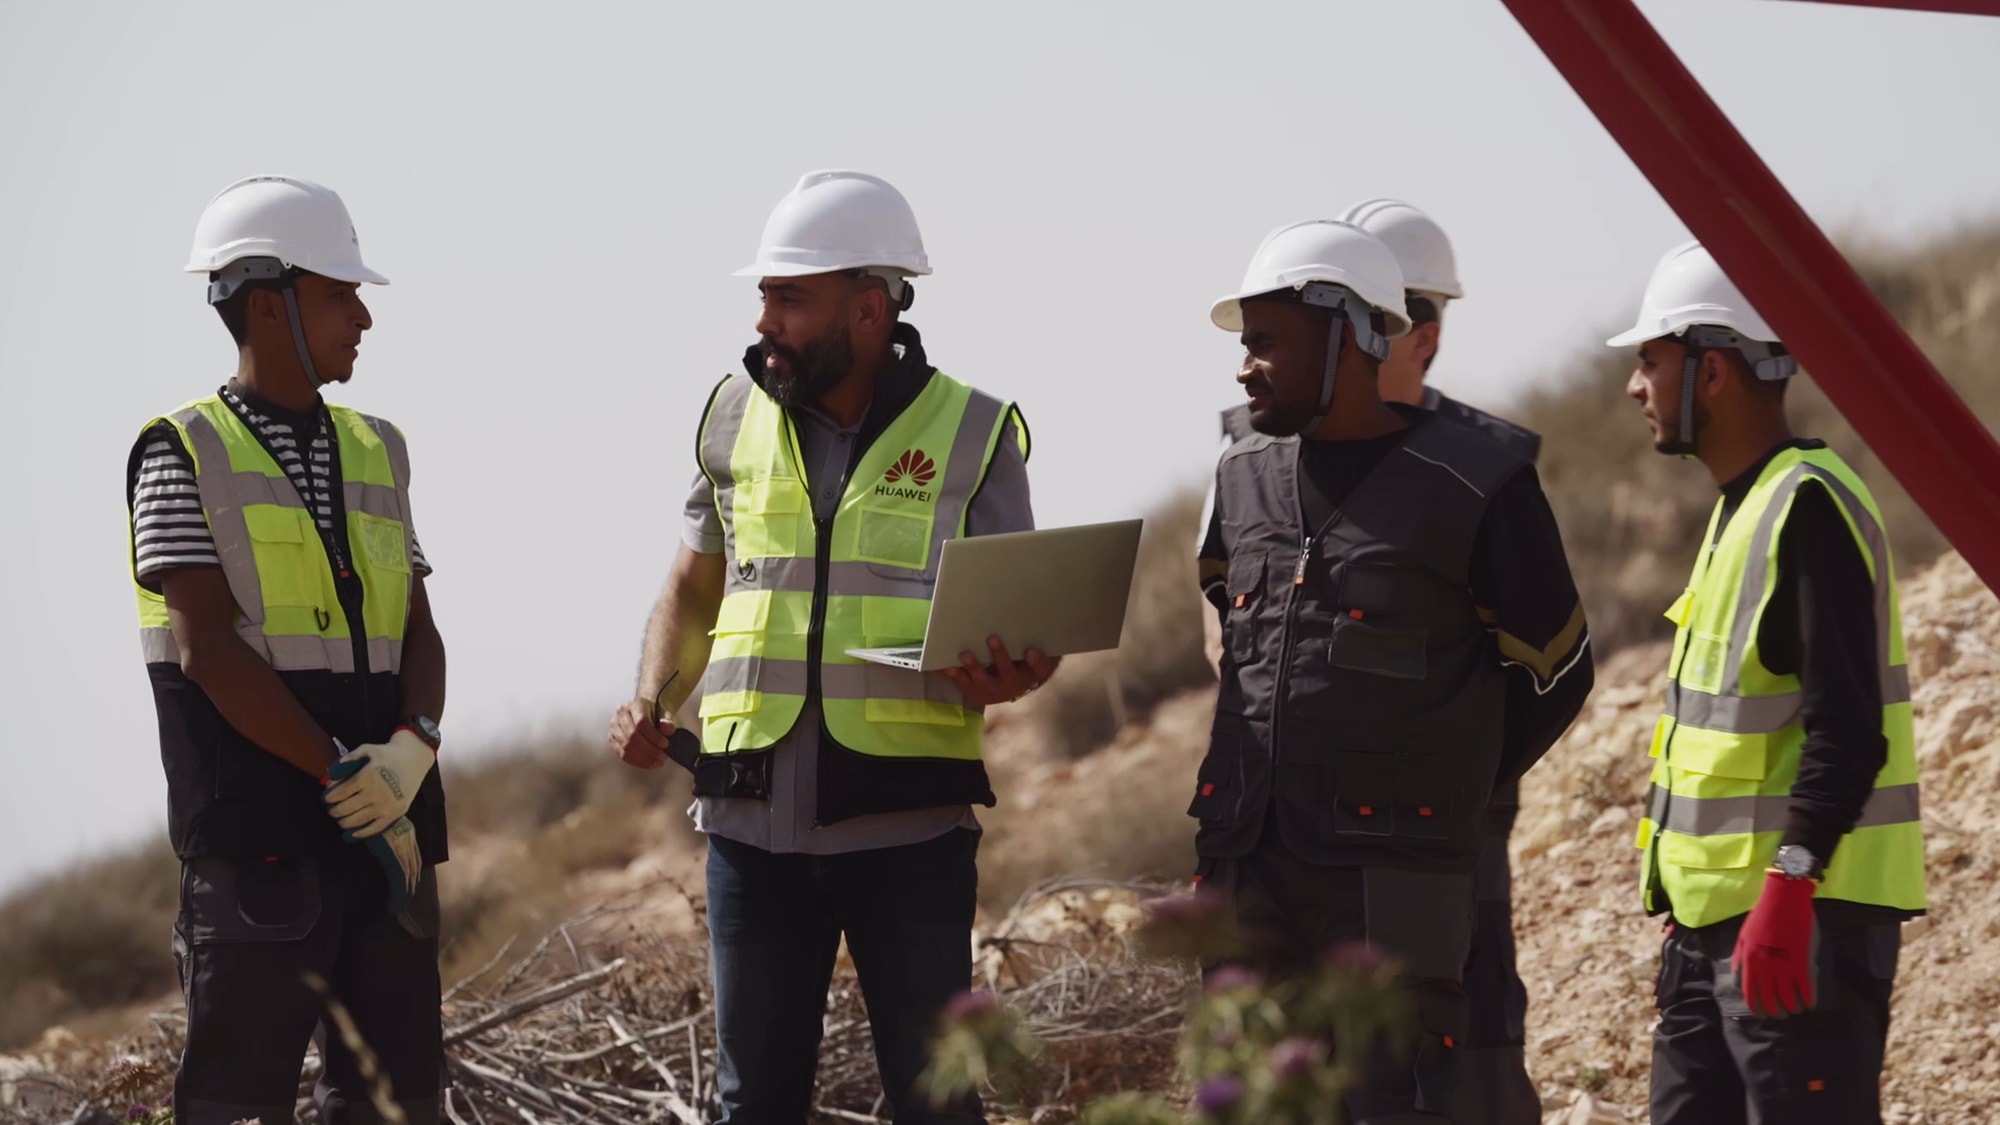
[(559, 193)]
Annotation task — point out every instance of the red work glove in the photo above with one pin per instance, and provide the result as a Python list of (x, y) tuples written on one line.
[(1773, 959)]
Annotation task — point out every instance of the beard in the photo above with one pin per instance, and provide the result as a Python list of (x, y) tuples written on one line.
[(1668, 440), (1273, 416), (1276, 421), (808, 372)]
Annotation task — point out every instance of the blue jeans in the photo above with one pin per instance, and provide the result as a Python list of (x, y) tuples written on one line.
[(775, 923)]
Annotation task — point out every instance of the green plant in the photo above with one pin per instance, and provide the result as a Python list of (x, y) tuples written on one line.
[(1279, 1050)]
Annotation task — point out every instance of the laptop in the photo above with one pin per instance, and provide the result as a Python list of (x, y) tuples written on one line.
[(1061, 590)]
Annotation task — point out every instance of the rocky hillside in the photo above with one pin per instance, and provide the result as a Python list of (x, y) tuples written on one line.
[(1589, 956)]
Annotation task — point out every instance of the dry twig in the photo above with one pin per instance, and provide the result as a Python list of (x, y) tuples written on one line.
[(632, 1039)]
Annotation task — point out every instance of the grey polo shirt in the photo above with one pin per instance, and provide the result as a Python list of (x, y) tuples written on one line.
[(785, 822)]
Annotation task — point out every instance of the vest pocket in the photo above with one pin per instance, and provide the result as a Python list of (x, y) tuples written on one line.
[(894, 537), (1702, 661), (1361, 647), (1714, 754), (1361, 794), (730, 686), (898, 695), (1387, 794), (1245, 587), (278, 541), (1709, 853), (766, 516), (732, 693), (382, 543), (1217, 788)]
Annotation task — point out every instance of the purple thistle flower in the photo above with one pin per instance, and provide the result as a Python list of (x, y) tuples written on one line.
[(969, 1006), (1219, 1094), (1229, 978), (139, 1112), (1356, 956), (1293, 1057)]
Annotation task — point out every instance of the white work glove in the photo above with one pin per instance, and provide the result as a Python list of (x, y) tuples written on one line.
[(399, 843), (381, 792)]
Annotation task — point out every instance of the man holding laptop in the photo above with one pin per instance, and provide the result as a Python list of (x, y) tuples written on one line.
[(836, 792)]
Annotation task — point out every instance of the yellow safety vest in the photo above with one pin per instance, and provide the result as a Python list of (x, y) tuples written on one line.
[(1726, 752), (798, 596), (287, 606)]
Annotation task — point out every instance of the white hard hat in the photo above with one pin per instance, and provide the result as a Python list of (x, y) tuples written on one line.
[(1419, 244), (1689, 289), (839, 220), (1327, 251), (298, 222)]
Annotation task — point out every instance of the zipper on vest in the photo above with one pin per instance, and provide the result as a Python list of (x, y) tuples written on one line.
[(822, 567), (353, 593), (1307, 539), (822, 578)]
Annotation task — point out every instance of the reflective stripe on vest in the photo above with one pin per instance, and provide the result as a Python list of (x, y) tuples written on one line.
[(908, 493), (1726, 752), (287, 605)]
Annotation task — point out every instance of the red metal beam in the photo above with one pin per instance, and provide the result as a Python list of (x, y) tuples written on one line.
[(1716, 183), (1956, 7)]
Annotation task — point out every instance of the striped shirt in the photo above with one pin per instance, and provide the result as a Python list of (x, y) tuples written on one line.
[(170, 530)]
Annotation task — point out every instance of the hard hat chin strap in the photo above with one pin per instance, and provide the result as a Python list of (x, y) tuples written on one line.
[(1683, 441), (1770, 362), (223, 284), (1348, 308), (299, 335)]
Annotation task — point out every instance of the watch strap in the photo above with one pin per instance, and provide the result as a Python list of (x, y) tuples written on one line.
[(425, 730)]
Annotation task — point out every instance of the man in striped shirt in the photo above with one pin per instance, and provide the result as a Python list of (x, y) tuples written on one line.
[(298, 678), (173, 533)]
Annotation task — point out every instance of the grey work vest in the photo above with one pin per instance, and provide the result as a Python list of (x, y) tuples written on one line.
[(1516, 439), (1362, 695)]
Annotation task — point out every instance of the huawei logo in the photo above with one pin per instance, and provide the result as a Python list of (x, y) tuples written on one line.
[(907, 478), (913, 466)]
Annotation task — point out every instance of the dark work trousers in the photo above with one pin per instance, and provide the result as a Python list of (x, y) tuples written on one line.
[(1291, 913), (248, 933), (1492, 1072), (1716, 1064), (775, 922)]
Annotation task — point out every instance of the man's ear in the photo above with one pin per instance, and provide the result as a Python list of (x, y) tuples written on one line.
[(265, 304), (871, 305), (1347, 345), (1424, 345), (1713, 374)]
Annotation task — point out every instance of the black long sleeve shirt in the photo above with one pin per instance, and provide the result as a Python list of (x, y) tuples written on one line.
[(1820, 626)]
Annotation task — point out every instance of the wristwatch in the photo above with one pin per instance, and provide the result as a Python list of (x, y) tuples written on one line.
[(1794, 862), (423, 727)]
